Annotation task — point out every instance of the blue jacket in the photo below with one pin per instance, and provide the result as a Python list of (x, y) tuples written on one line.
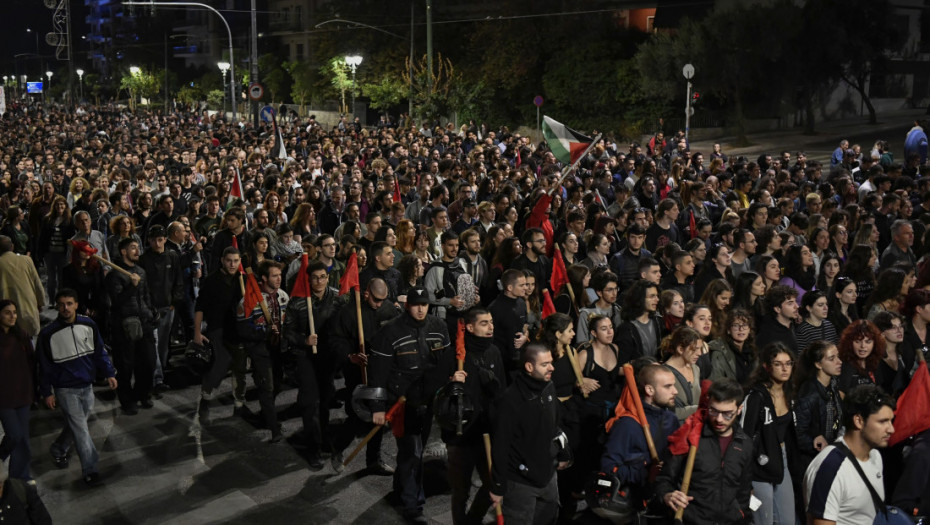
[(71, 355), (626, 454), (916, 142)]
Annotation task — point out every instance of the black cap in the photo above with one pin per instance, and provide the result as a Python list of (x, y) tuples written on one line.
[(157, 231), (417, 295)]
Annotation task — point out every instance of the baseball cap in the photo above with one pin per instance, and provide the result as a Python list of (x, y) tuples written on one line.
[(417, 295)]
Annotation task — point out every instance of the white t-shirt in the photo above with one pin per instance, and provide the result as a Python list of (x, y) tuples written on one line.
[(834, 490)]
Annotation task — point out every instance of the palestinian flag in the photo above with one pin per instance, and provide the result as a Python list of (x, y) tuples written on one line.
[(566, 144)]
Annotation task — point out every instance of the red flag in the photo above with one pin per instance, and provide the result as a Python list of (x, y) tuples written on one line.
[(913, 414), (84, 246), (396, 417), (302, 284), (397, 195), (559, 273), (548, 308), (349, 279), (235, 244), (460, 342), (692, 225), (253, 294), (518, 161), (625, 408), (235, 190), (689, 433)]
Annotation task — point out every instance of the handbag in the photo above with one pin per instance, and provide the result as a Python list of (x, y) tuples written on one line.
[(132, 327), (884, 514)]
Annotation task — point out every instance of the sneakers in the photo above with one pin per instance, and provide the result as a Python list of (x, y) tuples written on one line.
[(207, 395), (336, 462), (92, 480), (146, 403), (61, 462), (380, 469), (315, 463)]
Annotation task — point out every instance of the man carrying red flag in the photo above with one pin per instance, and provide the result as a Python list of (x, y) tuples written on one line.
[(480, 383), (720, 484), (626, 453), (260, 326), (315, 371)]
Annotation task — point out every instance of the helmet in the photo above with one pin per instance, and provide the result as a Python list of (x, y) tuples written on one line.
[(454, 408), (363, 397)]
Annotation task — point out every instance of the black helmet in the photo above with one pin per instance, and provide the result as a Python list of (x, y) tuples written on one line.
[(362, 398), (453, 407)]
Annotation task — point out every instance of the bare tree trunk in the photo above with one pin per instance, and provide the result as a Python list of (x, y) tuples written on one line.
[(859, 86), (809, 117)]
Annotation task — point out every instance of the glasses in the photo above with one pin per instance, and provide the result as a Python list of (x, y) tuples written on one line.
[(727, 416), (784, 365), (740, 327)]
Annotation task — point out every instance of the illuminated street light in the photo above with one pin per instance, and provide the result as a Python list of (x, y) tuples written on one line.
[(224, 67), (353, 61)]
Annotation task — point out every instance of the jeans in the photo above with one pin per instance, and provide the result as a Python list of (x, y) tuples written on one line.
[(54, 263), (162, 342), (463, 459), (525, 504), (777, 500), (15, 444), (76, 404)]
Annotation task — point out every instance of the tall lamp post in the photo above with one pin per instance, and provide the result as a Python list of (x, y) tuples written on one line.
[(353, 61), (224, 67), (80, 74), (49, 90)]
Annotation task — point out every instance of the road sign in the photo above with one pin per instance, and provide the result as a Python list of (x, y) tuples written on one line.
[(538, 101), (256, 91), (688, 71), (267, 114)]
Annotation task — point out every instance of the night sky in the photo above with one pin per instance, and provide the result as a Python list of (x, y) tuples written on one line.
[(18, 15)]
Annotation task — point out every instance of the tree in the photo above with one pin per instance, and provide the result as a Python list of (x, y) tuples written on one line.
[(274, 77), (302, 88), (140, 83), (389, 91), (338, 71), (430, 103)]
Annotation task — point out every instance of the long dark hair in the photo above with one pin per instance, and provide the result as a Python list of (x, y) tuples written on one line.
[(821, 277), (762, 374), (742, 291), (794, 268), (888, 286), (557, 322), (857, 264), (15, 330), (809, 359)]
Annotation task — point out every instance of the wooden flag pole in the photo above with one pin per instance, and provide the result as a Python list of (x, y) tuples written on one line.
[(487, 450), (123, 271), (686, 480), (263, 304), (310, 318), (361, 332), (570, 353), (631, 384)]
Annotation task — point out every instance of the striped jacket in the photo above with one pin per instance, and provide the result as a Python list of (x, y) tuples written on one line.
[(71, 355)]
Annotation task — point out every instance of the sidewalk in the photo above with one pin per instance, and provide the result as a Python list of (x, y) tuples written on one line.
[(892, 126)]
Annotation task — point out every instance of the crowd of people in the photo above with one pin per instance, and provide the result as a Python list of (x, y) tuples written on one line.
[(500, 292)]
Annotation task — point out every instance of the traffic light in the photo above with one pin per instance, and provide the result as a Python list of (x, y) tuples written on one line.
[(695, 97)]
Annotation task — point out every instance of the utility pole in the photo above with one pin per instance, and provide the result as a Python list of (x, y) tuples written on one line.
[(253, 72), (410, 67), (429, 48)]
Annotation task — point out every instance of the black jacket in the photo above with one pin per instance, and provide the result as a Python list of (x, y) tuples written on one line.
[(297, 324), (484, 385), (772, 331), (127, 300), (720, 483), (166, 277), (21, 503), (811, 415), (344, 326), (509, 319), (758, 421), (526, 427), (628, 340), (218, 298), (405, 357)]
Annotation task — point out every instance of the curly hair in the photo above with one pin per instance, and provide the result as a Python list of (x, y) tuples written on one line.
[(856, 331)]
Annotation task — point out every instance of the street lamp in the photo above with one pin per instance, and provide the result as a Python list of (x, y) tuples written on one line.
[(353, 61), (49, 90), (80, 74), (224, 67)]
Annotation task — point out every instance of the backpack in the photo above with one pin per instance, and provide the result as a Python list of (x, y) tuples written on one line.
[(455, 281)]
